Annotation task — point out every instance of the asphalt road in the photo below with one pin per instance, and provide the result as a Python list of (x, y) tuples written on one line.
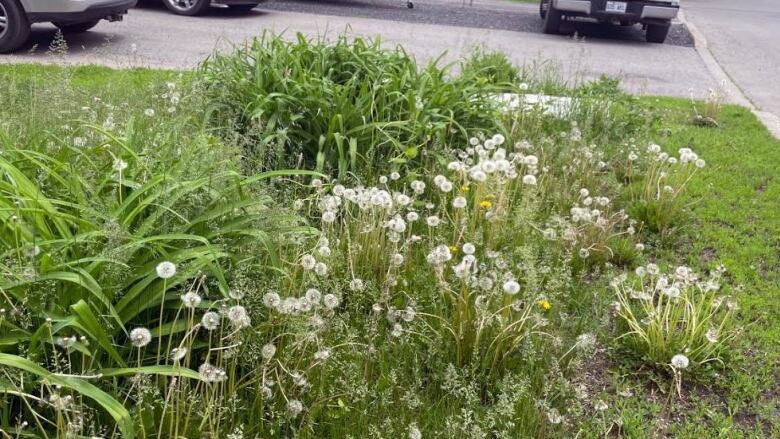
[(482, 15), (744, 37), (150, 36)]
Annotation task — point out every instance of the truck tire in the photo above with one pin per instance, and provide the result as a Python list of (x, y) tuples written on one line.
[(656, 33), (552, 19), (76, 28), (243, 8), (543, 4), (187, 7), (14, 27)]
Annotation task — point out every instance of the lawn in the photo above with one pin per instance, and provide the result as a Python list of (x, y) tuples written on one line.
[(300, 239)]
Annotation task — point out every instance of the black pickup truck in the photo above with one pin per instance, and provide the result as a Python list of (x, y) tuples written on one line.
[(655, 16)]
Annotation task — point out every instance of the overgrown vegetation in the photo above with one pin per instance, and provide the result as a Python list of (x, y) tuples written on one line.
[(476, 268)]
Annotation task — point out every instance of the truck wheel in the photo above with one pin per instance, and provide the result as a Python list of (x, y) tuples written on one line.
[(552, 19), (76, 28), (14, 27), (543, 5), (656, 33), (187, 7), (243, 8)]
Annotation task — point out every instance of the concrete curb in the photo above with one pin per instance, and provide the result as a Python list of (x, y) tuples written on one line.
[(733, 92)]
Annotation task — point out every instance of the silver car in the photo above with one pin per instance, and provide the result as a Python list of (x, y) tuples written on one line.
[(196, 7), (71, 16)]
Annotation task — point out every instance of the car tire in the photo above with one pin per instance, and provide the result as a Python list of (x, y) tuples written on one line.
[(543, 4), (656, 33), (76, 28), (243, 8), (552, 19), (187, 7), (15, 28)]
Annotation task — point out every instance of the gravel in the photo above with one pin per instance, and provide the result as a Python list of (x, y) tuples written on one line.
[(494, 15)]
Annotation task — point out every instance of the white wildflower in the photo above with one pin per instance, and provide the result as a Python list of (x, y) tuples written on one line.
[(166, 270), (210, 320), (140, 337), (356, 285), (294, 408), (330, 301), (308, 262), (238, 316), (178, 354), (271, 300), (680, 362), (191, 300), (268, 351)]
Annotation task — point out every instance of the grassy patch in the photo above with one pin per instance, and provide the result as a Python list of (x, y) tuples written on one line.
[(90, 143)]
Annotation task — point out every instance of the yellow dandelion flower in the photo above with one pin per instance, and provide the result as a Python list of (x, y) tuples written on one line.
[(544, 304), (465, 188), (453, 249), (486, 204)]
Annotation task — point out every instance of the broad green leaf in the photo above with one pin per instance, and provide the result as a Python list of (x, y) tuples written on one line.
[(109, 404)]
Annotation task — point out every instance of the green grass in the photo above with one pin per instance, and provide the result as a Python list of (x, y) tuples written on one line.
[(734, 221), (731, 219)]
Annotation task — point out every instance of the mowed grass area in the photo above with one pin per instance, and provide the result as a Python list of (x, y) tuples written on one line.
[(732, 220)]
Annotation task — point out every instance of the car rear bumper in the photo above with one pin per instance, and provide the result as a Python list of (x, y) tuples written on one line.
[(80, 11), (639, 11)]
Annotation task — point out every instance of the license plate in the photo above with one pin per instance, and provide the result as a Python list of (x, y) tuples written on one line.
[(616, 7)]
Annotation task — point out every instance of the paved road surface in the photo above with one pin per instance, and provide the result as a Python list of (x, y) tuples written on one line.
[(744, 37), (152, 37)]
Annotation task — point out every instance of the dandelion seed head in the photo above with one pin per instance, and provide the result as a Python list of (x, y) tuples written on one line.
[(554, 416), (211, 373), (308, 262), (210, 320), (119, 165), (294, 408), (356, 285), (511, 287), (191, 300), (238, 316), (178, 354), (140, 337), (331, 301), (268, 351), (271, 300), (680, 362), (166, 270)]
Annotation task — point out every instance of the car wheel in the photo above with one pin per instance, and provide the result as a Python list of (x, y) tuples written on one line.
[(187, 7), (656, 33), (14, 27), (543, 5), (76, 28), (243, 8), (552, 19)]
